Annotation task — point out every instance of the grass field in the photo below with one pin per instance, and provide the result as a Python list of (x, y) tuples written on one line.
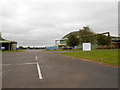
[(104, 56), (14, 51)]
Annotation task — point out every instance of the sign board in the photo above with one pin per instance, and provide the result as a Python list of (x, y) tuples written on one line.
[(86, 46)]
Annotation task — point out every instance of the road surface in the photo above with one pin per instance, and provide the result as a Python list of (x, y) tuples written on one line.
[(41, 69)]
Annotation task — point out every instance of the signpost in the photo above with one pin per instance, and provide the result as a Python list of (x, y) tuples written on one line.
[(86, 46)]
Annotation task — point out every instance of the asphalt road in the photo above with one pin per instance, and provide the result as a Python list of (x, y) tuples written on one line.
[(40, 69)]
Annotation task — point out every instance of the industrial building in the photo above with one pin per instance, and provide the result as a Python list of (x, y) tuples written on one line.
[(115, 42), (7, 45)]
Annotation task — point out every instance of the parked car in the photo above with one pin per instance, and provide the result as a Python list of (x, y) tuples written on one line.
[(2, 48)]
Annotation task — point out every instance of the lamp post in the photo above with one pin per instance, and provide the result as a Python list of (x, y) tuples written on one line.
[(9, 46)]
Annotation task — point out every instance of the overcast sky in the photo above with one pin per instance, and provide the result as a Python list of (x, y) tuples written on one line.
[(36, 23)]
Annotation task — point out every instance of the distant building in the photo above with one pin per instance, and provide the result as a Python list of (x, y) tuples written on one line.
[(62, 43), (7, 45), (115, 42), (51, 48), (31, 47)]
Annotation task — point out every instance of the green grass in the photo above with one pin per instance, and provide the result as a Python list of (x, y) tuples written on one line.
[(14, 51), (104, 56)]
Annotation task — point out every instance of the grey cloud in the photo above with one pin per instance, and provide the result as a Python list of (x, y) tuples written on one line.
[(28, 21)]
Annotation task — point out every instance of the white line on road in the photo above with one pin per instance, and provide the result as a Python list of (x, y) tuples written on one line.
[(6, 72), (18, 64), (2, 72), (39, 71), (6, 64), (36, 58), (25, 63)]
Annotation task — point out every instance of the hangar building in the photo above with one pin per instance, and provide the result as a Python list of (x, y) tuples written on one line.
[(7, 45)]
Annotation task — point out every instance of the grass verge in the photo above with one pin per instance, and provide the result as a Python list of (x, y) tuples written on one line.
[(14, 51), (105, 56)]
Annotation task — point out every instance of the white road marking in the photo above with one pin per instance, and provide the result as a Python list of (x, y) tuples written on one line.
[(25, 63), (6, 64), (18, 64), (36, 58), (2, 72), (39, 71), (5, 73)]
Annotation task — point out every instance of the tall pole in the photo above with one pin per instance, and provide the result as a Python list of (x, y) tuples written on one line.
[(9, 46), (0, 34), (55, 42)]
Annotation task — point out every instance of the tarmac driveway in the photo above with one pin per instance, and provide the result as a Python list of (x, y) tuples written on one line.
[(40, 69)]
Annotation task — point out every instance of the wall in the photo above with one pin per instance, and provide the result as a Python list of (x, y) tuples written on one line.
[(13, 47), (63, 42)]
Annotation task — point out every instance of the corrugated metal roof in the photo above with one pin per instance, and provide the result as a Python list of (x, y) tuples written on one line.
[(8, 42), (2, 40)]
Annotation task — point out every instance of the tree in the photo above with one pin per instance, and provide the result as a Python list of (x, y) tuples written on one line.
[(103, 40), (86, 35), (28, 47), (72, 41), (20, 47)]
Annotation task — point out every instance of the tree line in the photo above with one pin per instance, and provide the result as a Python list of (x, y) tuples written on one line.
[(86, 35)]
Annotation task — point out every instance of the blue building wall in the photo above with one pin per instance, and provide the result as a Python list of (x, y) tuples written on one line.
[(52, 48)]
